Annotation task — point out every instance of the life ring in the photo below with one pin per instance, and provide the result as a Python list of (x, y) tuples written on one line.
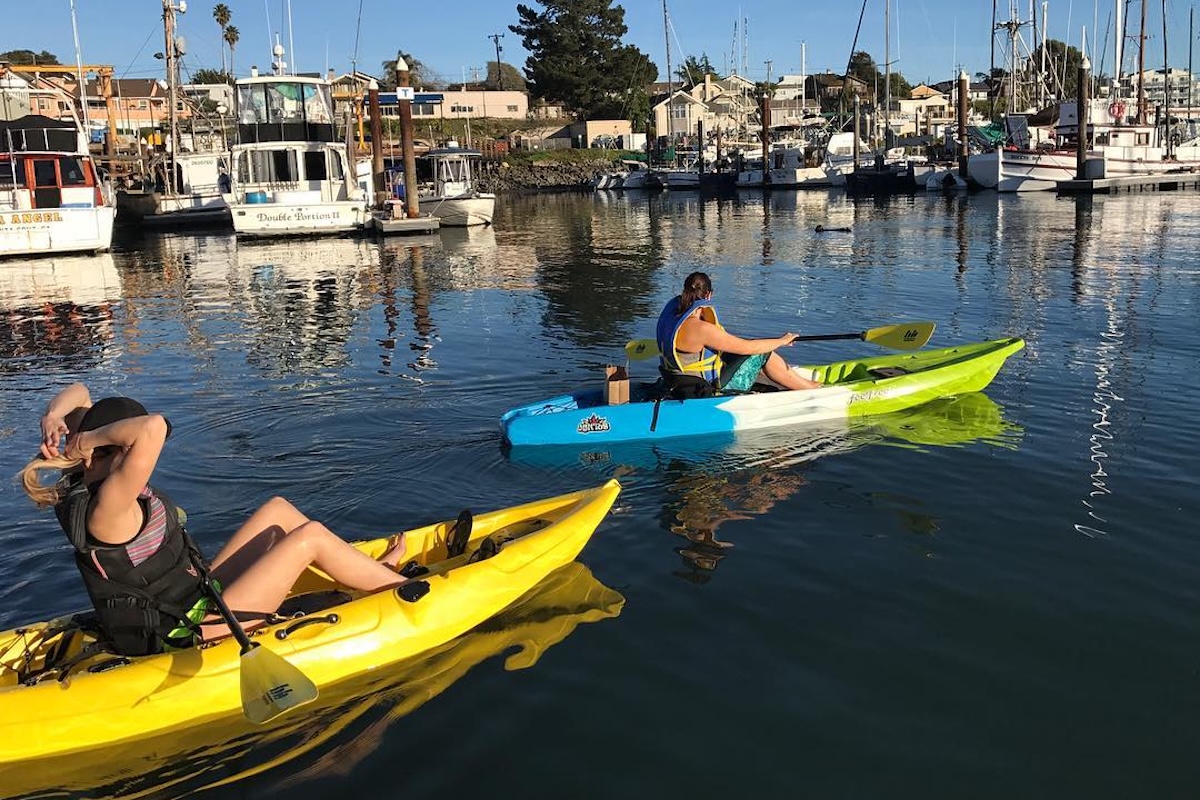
[(1116, 109)]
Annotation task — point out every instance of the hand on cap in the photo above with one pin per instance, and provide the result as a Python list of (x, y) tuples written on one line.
[(54, 430), (75, 449)]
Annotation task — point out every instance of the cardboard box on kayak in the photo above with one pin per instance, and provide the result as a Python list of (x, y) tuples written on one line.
[(616, 385)]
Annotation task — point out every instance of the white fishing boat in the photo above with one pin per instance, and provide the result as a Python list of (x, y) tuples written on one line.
[(52, 197), (290, 175), (186, 183), (1120, 148), (196, 196), (449, 192)]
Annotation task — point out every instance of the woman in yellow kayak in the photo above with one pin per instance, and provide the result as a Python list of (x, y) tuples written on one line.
[(698, 352), (138, 564)]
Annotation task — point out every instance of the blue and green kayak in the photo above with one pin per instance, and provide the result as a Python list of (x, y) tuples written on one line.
[(858, 388)]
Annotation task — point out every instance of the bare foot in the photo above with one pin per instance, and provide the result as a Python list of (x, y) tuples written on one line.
[(397, 547)]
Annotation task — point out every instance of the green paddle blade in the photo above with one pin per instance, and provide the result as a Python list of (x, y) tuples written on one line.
[(906, 336), (641, 349), (271, 686)]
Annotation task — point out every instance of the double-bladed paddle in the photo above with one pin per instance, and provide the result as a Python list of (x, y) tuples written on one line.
[(905, 336)]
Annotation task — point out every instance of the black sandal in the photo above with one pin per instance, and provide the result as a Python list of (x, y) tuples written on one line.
[(460, 534), (487, 549)]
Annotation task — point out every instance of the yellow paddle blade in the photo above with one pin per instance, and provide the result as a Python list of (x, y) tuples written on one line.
[(906, 336), (641, 349), (271, 686)]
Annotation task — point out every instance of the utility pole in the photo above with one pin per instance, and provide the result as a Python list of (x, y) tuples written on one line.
[(496, 37)]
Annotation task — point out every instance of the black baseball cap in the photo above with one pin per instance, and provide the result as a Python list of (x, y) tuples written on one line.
[(113, 409)]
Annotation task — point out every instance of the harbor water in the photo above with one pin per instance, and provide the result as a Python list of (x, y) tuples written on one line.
[(991, 596)]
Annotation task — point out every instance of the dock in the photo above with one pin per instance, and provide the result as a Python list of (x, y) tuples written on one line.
[(1167, 182), (387, 225)]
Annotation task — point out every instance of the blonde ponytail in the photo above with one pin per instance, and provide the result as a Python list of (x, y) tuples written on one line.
[(31, 479)]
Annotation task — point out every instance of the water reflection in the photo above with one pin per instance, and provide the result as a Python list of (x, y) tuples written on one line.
[(714, 480), (337, 733), (58, 312)]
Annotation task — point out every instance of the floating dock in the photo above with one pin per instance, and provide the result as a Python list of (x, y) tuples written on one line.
[(387, 225), (1168, 182)]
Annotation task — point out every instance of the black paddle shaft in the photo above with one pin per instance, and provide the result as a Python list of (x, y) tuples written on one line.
[(235, 627), (825, 337)]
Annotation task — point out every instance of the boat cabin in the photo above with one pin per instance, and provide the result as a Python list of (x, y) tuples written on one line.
[(288, 108), (39, 168), (451, 170)]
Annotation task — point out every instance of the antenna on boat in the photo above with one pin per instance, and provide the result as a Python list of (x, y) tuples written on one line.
[(267, 10), (291, 41), (279, 66)]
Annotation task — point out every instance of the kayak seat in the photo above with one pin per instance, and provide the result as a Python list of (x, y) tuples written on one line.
[(888, 372)]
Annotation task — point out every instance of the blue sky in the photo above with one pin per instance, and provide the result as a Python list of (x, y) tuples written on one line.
[(931, 39)]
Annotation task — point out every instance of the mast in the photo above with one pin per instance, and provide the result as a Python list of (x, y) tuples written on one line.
[(1119, 50), (803, 82), (670, 80), (887, 73), (172, 93), (83, 104), (1141, 98), (1042, 98), (1166, 122)]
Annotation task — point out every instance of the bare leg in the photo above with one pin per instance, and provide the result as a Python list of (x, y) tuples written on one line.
[(777, 370), (264, 530), (265, 583)]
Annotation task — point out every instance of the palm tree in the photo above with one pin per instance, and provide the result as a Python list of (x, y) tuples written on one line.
[(222, 15), (231, 39)]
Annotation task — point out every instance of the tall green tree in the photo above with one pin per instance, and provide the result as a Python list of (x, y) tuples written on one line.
[(28, 57), (1062, 68), (693, 70), (231, 37), (222, 15), (419, 76), (504, 75), (211, 76), (577, 57), (862, 66)]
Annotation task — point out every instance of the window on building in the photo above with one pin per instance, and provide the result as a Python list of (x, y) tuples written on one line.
[(512, 109), (422, 110)]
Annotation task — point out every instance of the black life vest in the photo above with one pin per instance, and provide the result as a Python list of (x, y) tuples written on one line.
[(137, 606)]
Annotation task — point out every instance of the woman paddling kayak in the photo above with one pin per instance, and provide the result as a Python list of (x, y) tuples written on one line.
[(698, 355), (138, 564)]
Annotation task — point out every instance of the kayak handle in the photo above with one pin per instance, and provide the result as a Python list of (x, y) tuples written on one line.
[(328, 619)]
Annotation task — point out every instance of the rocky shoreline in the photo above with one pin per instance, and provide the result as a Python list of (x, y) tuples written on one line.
[(502, 176)]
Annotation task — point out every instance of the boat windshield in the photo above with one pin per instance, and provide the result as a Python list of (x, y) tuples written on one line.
[(284, 101)]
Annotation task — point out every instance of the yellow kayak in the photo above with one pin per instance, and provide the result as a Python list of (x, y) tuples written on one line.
[(337, 635), (344, 725)]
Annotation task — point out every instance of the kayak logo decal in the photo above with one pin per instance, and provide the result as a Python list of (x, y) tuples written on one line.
[(593, 424), (870, 394)]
